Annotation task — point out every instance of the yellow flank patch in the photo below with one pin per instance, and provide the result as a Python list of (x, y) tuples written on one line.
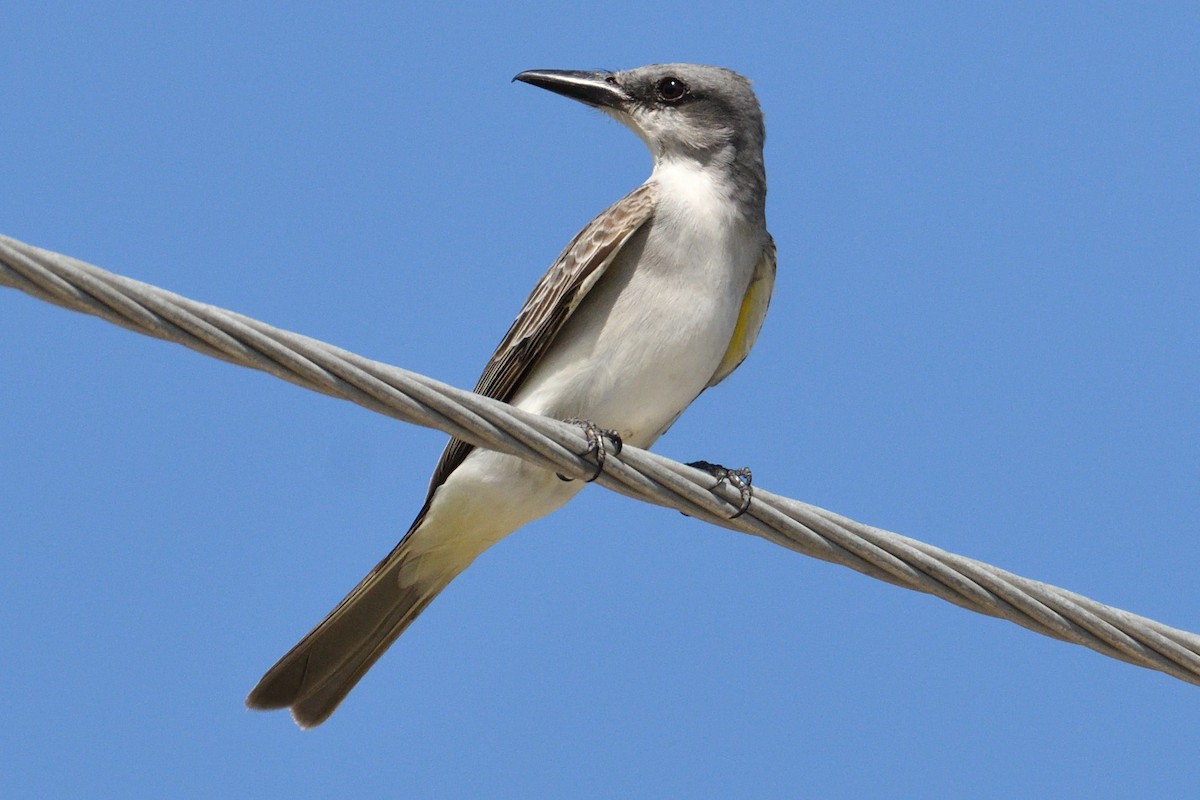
[(749, 321), (743, 322)]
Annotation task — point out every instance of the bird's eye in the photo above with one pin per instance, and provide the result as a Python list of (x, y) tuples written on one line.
[(672, 89)]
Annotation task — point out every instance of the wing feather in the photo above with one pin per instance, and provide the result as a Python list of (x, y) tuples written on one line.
[(548, 307)]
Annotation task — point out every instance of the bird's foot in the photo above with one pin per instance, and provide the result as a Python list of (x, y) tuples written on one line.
[(737, 478), (596, 445)]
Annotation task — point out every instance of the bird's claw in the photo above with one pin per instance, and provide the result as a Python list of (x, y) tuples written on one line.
[(737, 478), (595, 445)]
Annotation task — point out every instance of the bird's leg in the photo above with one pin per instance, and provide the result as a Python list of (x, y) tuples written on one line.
[(737, 478), (595, 445)]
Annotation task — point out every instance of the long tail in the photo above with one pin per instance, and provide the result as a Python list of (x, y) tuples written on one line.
[(317, 674)]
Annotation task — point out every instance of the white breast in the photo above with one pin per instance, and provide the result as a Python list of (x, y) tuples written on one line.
[(650, 334)]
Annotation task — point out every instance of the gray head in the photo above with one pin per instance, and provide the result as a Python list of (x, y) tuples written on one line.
[(707, 114)]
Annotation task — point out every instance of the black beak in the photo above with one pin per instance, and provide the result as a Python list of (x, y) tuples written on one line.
[(598, 89)]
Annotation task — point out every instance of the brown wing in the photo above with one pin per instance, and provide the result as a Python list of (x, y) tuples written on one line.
[(552, 301)]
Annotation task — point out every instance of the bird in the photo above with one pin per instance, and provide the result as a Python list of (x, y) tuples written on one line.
[(658, 298)]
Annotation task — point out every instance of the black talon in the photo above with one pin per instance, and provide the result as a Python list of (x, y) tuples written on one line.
[(737, 478), (595, 446)]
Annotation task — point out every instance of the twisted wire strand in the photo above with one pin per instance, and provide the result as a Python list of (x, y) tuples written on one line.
[(640, 474)]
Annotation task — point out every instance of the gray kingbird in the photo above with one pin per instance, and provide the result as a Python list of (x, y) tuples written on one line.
[(655, 300)]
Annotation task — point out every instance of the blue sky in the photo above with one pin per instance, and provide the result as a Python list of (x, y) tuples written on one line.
[(984, 335)]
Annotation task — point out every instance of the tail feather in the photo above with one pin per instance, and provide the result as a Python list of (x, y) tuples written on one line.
[(324, 697), (317, 674)]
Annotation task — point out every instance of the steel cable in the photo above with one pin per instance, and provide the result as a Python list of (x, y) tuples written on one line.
[(414, 398)]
